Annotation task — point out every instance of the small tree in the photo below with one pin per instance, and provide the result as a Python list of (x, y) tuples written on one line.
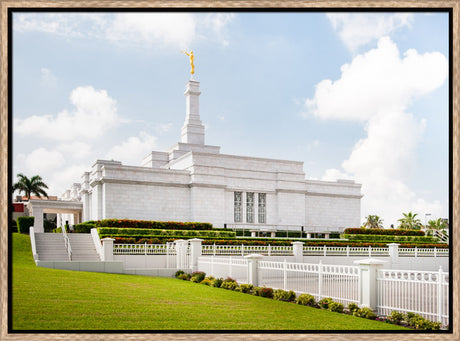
[(373, 222), (34, 185), (410, 222), (438, 224)]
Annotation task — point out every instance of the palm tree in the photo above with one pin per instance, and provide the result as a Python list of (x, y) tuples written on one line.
[(409, 222), (437, 224), (34, 185), (373, 222)]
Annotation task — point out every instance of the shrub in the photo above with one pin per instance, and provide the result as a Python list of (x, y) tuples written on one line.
[(397, 232), (335, 307), (197, 276), (352, 307), (245, 288), (147, 224), (395, 317), (178, 273), (285, 296), (184, 276), (24, 223), (265, 292), (324, 302), (306, 299), (229, 285), (365, 313), (14, 226), (84, 227), (418, 322), (206, 281), (217, 282)]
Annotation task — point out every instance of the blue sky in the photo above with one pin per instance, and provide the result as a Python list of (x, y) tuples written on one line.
[(353, 95)]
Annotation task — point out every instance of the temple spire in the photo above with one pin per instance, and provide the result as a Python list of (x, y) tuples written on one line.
[(193, 129)]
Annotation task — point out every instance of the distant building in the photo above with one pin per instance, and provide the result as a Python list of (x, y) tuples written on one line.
[(193, 181)]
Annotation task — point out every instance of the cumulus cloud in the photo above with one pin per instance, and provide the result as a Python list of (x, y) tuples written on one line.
[(134, 149), (95, 112), (40, 160), (376, 88), (359, 29), (177, 30)]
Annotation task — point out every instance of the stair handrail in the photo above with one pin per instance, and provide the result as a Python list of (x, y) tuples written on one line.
[(67, 242), (97, 242), (33, 243)]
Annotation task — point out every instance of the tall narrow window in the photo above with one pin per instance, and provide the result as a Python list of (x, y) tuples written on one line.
[(249, 207), (237, 199), (262, 204)]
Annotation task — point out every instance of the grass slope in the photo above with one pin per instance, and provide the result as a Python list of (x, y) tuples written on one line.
[(48, 299)]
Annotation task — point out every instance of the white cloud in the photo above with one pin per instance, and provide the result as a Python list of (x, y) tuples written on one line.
[(176, 30), (76, 149), (47, 77), (40, 161), (379, 80), (358, 29), (134, 149), (376, 88), (95, 112)]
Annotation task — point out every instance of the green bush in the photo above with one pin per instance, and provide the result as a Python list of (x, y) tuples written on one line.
[(14, 226), (197, 276), (137, 232), (84, 227), (352, 307), (419, 322), (178, 273), (265, 292), (229, 284), (245, 288), (184, 276), (149, 224), (24, 223), (206, 281), (217, 282), (324, 302), (335, 307), (397, 232), (365, 313), (395, 317), (57, 230), (285, 296), (306, 299)]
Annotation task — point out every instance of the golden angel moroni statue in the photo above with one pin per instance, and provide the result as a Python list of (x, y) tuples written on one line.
[(192, 58)]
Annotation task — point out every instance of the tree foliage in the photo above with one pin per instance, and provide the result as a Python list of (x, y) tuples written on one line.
[(373, 222), (410, 222), (34, 185)]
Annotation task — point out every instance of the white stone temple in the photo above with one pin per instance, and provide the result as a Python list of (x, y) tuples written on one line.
[(193, 181)]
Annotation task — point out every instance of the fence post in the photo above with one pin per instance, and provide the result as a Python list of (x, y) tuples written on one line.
[(297, 250), (440, 294), (269, 250), (393, 251), (242, 250), (181, 254), (320, 279), (348, 250), (284, 274), (253, 269), (368, 291), (370, 251), (416, 252), (196, 250), (435, 253), (107, 249), (324, 250), (214, 250)]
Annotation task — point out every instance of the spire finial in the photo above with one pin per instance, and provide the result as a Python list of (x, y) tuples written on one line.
[(192, 59)]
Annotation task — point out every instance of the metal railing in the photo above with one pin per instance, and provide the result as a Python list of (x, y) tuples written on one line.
[(33, 243), (67, 242)]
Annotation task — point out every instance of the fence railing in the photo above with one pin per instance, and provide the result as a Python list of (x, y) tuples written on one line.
[(423, 252), (339, 282), (242, 250), (219, 267), (144, 249), (422, 292)]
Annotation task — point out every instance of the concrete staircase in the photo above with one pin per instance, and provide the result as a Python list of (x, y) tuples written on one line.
[(83, 249), (51, 247)]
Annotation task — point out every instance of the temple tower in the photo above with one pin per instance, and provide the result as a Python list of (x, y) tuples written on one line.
[(193, 129)]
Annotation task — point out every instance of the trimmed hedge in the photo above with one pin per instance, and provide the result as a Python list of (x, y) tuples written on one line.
[(389, 232), (132, 232), (24, 223), (389, 239), (147, 224), (84, 227), (14, 226)]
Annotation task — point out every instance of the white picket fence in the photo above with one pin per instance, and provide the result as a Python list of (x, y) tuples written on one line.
[(422, 292), (269, 250), (223, 267)]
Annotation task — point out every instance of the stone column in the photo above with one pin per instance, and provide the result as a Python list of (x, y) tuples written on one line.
[(393, 250), (253, 271), (37, 213), (195, 252), (308, 235), (368, 291), (298, 251), (107, 249)]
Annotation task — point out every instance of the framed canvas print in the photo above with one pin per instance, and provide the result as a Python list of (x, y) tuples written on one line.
[(254, 170)]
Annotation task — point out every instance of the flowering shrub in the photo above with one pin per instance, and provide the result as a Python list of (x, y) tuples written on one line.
[(147, 224), (335, 307), (245, 288), (390, 232), (324, 302), (306, 299), (395, 317), (217, 282), (352, 307), (365, 312), (229, 284), (197, 276), (282, 295), (265, 292), (140, 233)]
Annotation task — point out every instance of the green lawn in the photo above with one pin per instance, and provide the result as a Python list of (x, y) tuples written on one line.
[(48, 299)]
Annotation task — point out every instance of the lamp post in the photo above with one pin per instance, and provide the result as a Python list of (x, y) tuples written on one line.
[(426, 215)]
